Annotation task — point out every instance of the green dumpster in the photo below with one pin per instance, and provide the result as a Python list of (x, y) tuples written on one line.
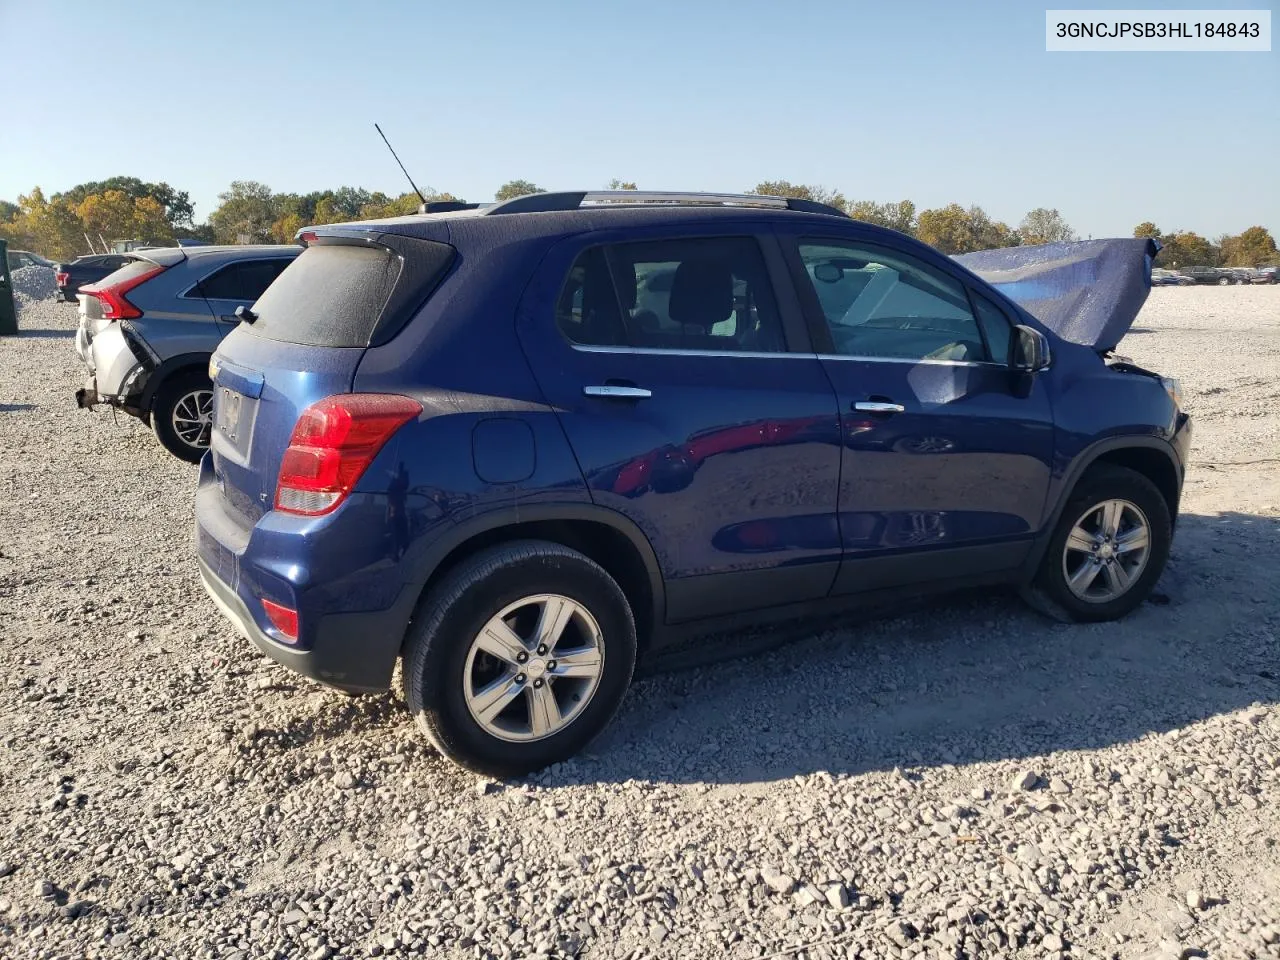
[(8, 312)]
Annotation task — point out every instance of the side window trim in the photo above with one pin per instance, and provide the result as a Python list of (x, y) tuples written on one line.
[(186, 294), (816, 320)]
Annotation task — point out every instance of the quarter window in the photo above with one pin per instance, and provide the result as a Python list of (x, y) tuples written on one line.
[(881, 303), (702, 294), (995, 326)]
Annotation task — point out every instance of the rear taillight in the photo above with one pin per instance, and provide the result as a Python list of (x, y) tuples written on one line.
[(61, 278), (114, 304), (333, 443)]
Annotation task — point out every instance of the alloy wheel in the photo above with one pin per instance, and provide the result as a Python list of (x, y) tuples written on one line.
[(533, 668), (193, 417), (1106, 551)]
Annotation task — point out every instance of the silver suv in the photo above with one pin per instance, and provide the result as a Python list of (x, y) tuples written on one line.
[(147, 332)]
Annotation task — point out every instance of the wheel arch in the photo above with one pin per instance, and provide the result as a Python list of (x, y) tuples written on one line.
[(603, 535), (174, 365), (1152, 457)]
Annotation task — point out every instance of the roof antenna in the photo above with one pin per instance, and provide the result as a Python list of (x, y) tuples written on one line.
[(406, 172)]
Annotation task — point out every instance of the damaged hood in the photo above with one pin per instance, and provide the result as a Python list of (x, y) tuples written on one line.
[(1088, 292)]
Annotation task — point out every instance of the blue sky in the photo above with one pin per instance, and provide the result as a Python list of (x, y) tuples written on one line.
[(932, 101)]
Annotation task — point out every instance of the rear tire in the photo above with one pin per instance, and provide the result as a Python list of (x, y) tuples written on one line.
[(1104, 573), (182, 414), (481, 684)]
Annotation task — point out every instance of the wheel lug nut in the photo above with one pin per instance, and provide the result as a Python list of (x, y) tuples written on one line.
[(551, 664), (542, 649), (520, 678), (521, 657), (537, 683)]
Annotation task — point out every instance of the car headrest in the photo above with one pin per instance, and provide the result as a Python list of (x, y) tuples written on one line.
[(701, 293)]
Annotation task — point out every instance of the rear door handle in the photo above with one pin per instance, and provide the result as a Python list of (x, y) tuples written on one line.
[(611, 391), (878, 406)]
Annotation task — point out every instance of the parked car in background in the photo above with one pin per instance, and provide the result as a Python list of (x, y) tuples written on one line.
[(1168, 278), (91, 268), (148, 329), (25, 258), (1205, 275), (1265, 275), (503, 446)]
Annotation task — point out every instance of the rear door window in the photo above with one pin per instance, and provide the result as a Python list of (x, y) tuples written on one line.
[(705, 294), (245, 281)]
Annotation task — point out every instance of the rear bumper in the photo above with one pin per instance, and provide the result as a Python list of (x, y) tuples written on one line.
[(353, 650)]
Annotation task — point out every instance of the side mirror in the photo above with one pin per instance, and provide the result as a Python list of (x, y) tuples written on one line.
[(1031, 350)]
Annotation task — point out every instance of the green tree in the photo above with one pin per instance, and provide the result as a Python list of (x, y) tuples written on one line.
[(1146, 229), (516, 188), (1182, 248), (900, 216), (177, 204), (800, 191), (245, 212), (616, 184), (380, 206), (1043, 225), (117, 216), (1255, 247), (50, 227), (348, 201), (8, 211), (953, 229)]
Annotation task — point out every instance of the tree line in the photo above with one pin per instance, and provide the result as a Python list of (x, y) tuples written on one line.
[(250, 212)]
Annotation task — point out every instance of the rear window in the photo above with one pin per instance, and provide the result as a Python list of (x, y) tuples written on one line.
[(127, 272), (330, 296)]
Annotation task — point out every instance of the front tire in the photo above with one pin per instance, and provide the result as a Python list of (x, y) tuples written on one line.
[(182, 414), (519, 657), (1108, 550)]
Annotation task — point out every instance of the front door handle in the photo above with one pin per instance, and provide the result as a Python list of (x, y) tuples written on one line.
[(878, 406), (612, 391)]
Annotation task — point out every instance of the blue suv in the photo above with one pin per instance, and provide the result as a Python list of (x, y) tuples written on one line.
[(516, 446)]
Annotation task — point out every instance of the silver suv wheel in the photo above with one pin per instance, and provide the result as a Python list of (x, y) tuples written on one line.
[(533, 668), (1106, 551)]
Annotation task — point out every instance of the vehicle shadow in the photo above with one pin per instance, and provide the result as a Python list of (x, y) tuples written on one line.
[(979, 678), (45, 333), (16, 407)]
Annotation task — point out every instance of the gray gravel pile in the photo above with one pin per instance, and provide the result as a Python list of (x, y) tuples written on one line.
[(33, 283), (969, 780)]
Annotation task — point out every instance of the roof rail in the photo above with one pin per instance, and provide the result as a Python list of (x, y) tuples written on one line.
[(448, 206), (577, 199)]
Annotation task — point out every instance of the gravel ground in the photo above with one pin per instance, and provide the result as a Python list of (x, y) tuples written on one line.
[(966, 781), (33, 283)]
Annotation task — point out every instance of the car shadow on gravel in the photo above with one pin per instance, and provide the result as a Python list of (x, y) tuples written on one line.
[(964, 680), (16, 407), (39, 333)]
